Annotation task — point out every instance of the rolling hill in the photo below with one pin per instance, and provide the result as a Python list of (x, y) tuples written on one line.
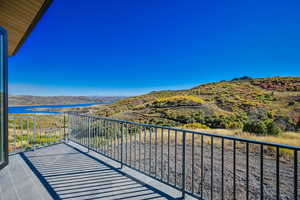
[(226, 104)]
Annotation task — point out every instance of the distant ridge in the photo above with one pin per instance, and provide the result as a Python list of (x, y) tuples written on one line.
[(58, 100)]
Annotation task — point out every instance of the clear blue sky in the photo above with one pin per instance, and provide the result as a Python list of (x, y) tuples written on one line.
[(130, 47)]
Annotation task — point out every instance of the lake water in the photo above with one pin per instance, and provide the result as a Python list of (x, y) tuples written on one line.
[(28, 109)]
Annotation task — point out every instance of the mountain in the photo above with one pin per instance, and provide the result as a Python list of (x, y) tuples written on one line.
[(227, 104), (58, 100)]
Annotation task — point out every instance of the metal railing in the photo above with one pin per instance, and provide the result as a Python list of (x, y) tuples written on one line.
[(27, 132), (206, 166)]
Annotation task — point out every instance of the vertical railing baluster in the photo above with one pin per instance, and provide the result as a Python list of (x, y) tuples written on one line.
[(130, 143), (162, 154), (64, 127), (50, 131), (277, 175), (89, 134), (28, 137), (86, 131), (34, 131), (15, 134), (202, 165), (78, 126), (247, 170), (212, 168), (135, 151), (81, 137), (122, 141), (234, 169), (40, 130), (68, 135), (145, 138), (296, 175), (168, 178), (126, 142), (140, 140), (60, 130), (21, 133), (98, 135), (110, 138), (101, 136), (115, 138), (175, 178), (75, 133), (105, 137), (155, 153), (261, 172), (81, 130), (53, 135), (193, 160), (94, 134), (47, 132), (119, 135), (222, 161), (150, 152), (183, 163)]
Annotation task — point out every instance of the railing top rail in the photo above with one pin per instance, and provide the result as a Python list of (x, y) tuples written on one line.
[(192, 132)]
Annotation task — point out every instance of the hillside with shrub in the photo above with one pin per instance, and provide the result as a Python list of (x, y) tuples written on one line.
[(265, 106)]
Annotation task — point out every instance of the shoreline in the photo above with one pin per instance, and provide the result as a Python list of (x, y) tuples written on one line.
[(58, 104), (35, 109)]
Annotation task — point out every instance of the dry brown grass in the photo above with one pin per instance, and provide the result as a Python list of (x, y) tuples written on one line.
[(287, 138)]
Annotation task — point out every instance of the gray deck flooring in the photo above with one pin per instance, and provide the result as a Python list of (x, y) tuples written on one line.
[(64, 172)]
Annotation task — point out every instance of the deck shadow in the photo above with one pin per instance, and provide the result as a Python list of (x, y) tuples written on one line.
[(69, 173)]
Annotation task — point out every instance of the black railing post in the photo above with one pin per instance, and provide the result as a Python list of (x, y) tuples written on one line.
[(34, 133), (183, 164), (89, 133), (65, 138), (296, 174), (122, 140)]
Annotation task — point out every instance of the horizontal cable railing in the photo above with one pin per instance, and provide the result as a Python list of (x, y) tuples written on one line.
[(206, 166), (27, 132)]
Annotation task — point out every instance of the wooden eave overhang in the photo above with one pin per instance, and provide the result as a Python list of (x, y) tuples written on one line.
[(19, 17)]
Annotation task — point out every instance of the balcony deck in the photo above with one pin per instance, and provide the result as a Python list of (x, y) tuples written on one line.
[(67, 171)]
